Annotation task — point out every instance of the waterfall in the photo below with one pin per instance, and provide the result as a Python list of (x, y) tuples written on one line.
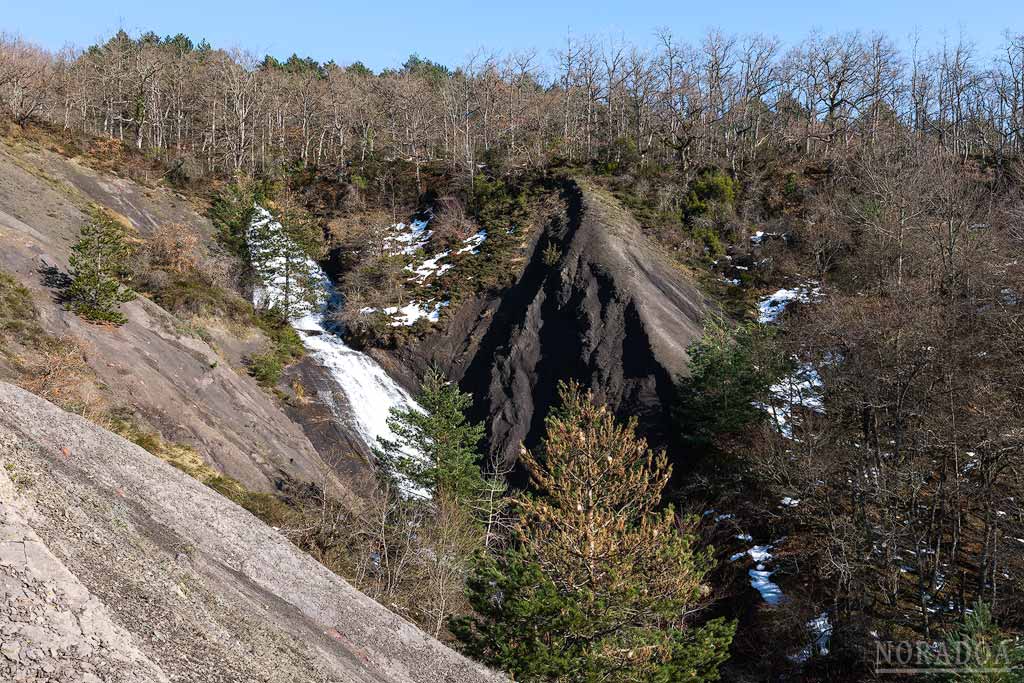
[(370, 392)]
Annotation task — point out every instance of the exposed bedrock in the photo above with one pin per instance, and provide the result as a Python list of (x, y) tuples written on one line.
[(613, 313)]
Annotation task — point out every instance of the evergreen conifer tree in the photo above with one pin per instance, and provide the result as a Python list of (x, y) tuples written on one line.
[(100, 264), (731, 370), (599, 583), (436, 449), (978, 651)]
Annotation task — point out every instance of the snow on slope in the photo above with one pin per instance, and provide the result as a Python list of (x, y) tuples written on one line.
[(771, 307), (801, 390), (820, 628), (408, 240), (760, 575), (371, 393)]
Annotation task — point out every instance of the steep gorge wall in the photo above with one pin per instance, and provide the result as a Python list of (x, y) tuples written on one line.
[(614, 313)]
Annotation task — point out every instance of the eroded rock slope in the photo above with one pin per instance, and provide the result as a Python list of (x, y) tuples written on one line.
[(612, 312)]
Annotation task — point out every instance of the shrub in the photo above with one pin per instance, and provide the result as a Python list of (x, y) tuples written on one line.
[(552, 255), (266, 368), (451, 223), (731, 370), (18, 315), (192, 295), (58, 372), (706, 234), (711, 187), (621, 157), (173, 247), (285, 347)]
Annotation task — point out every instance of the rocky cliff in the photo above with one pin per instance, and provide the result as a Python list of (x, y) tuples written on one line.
[(174, 380), (114, 566), (597, 302)]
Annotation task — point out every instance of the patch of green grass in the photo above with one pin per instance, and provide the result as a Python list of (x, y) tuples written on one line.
[(286, 341), (193, 296), (285, 348), (266, 368)]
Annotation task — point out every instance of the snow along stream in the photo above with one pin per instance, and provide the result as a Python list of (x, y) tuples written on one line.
[(801, 390), (370, 392)]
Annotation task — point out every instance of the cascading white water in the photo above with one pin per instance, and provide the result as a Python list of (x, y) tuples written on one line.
[(370, 392)]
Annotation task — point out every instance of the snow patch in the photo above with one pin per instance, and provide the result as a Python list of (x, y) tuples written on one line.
[(760, 237), (416, 237), (821, 631), (408, 239), (772, 306), (760, 575), (431, 266), (473, 243), (410, 313), (760, 554), (761, 580), (799, 391)]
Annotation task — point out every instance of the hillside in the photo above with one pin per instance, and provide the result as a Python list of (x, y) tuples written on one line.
[(129, 570), (157, 365), (624, 361)]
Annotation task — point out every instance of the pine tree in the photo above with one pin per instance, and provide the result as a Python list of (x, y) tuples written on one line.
[(599, 581), (436, 448), (231, 211), (979, 651), (731, 369), (100, 264)]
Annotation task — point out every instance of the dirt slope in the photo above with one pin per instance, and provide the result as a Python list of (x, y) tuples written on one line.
[(614, 314), (174, 380), (138, 572)]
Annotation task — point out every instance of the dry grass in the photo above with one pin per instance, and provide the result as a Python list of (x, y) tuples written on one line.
[(54, 368), (173, 247), (57, 371)]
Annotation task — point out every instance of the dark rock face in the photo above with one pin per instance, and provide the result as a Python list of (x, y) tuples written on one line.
[(613, 314), (325, 417)]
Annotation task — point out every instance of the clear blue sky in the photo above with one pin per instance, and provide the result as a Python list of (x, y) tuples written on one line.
[(383, 34)]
